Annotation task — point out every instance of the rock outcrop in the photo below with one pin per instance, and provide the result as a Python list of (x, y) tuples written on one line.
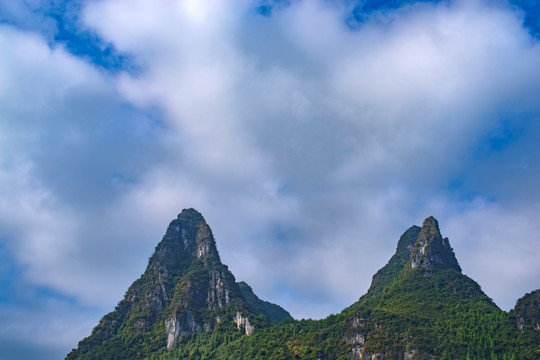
[(243, 322), (431, 251), (526, 313)]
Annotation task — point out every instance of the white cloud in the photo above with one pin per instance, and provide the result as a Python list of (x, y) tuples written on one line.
[(39, 332), (25, 15), (309, 147), (65, 139), (354, 128)]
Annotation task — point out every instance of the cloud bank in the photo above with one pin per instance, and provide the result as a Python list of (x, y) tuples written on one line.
[(308, 144)]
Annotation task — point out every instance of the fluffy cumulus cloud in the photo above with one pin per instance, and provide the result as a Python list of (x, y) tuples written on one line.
[(69, 142), (326, 134), (309, 142)]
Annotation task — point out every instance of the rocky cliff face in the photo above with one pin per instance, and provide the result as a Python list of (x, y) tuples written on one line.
[(431, 251)]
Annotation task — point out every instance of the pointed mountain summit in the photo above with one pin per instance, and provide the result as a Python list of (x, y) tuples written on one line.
[(421, 284), (419, 248), (422, 252), (431, 251), (188, 236), (184, 290)]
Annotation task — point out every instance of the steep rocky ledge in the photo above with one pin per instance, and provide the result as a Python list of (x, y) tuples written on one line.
[(431, 251)]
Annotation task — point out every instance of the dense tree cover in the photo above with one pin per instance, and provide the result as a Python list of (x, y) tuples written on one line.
[(445, 314), (304, 339)]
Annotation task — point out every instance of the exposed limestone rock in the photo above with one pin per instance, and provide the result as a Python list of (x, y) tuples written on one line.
[(195, 237), (244, 321), (406, 315), (205, 248), (217, 292), (173, 331), (409, 354), (357, 345), (432, 252), (177, 326), (520, 324), (356, 337), (374, 356)]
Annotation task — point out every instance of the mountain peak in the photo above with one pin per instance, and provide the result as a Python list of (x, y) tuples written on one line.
[(184, 290), (418, 247), (189, 234), (431, 226), (191, 213), (431, 251)]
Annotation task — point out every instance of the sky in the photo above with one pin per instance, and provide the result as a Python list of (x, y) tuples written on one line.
[(309, 134)]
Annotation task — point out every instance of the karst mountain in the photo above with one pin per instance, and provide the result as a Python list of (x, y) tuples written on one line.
[(188, 305)]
